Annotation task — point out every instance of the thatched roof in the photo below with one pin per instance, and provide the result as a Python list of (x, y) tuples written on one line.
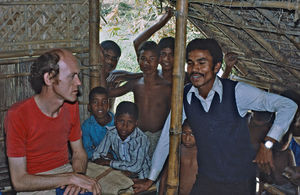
[(265, 35)]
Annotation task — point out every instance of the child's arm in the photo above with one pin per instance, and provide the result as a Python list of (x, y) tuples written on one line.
[(103, 148), (137, 157), (119, 91), (145, 35), (87, 141)]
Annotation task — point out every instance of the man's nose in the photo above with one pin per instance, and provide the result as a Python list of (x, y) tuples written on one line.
[(77, 80)]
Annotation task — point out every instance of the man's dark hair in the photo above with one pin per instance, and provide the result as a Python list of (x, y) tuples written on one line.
[(111, 45), (206, 44), (127, 107), (46, 63), (166, 42), (97, 90), (148, 46)]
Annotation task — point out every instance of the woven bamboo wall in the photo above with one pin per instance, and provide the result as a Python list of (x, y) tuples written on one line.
[(27, 29)]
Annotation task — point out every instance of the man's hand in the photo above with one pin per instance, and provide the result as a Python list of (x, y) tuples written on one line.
[(141, 185), (293, 174), (230, 59), (83, 183), (264, 159)]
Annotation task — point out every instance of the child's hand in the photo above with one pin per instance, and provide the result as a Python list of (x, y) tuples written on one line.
[(101, 161)]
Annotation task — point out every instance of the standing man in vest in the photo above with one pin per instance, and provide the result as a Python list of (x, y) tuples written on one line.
[(38, 130), (216, 109)]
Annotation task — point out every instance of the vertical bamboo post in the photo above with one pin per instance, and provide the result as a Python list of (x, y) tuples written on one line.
[(177, 97), (94, 60)]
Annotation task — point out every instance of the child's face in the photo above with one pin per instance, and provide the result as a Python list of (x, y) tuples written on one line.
[(99, 106), (148, 61), (166, 59), (125, 124), (188, 139), (111, 60)]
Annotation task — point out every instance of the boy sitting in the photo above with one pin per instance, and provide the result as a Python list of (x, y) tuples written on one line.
[(127, 141), (94, 128), (188, 163)]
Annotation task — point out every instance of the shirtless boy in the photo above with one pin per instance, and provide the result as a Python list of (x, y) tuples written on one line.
[(188, 163), (151, 93)]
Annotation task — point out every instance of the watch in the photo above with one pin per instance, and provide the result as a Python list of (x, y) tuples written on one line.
[(268, 144)]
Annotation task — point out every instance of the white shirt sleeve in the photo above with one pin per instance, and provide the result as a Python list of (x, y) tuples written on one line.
[(252, 98), (162, 149)]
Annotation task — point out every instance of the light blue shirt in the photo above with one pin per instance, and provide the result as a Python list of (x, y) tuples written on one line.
[(247, 98), (93, 133), (132, 153)]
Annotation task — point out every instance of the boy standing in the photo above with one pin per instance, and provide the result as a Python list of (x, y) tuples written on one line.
[(188, 163), (128, 142), (94, 128), (152, 94)]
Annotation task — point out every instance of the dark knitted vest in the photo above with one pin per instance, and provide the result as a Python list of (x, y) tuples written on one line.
[(225, 152)]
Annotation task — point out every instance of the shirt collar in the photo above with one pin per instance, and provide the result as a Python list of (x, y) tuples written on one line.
[(217, 87)]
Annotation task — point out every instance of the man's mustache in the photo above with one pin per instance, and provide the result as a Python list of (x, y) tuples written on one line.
[(195, 73)]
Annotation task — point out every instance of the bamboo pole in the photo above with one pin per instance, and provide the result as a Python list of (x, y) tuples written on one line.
[(94, 22), (177, 97)]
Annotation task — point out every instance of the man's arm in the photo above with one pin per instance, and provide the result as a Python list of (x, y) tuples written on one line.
[(79, 157), (252, 98), (22, 181), (145, 35)]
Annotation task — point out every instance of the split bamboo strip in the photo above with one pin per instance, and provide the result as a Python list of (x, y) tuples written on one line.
[(37, 52), (41, 2), (177, 97), (255, 4)]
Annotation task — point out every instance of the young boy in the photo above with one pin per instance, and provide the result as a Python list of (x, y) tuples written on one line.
[(94, 128), (188, 163), (152, 94), (127, 141)]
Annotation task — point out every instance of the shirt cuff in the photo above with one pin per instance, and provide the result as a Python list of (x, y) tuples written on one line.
[(153, 174), (276, 132)]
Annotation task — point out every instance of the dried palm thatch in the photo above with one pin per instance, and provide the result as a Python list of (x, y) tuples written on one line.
[(265, 34)]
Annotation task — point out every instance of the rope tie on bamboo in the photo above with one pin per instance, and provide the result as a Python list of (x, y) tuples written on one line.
[(172, 132), (172, 186)]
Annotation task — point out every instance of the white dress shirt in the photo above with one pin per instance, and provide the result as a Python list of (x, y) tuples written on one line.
[(247, 98)]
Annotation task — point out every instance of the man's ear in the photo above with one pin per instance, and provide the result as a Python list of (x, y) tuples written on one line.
[(89, 107), (217, 67), (48, 78)]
